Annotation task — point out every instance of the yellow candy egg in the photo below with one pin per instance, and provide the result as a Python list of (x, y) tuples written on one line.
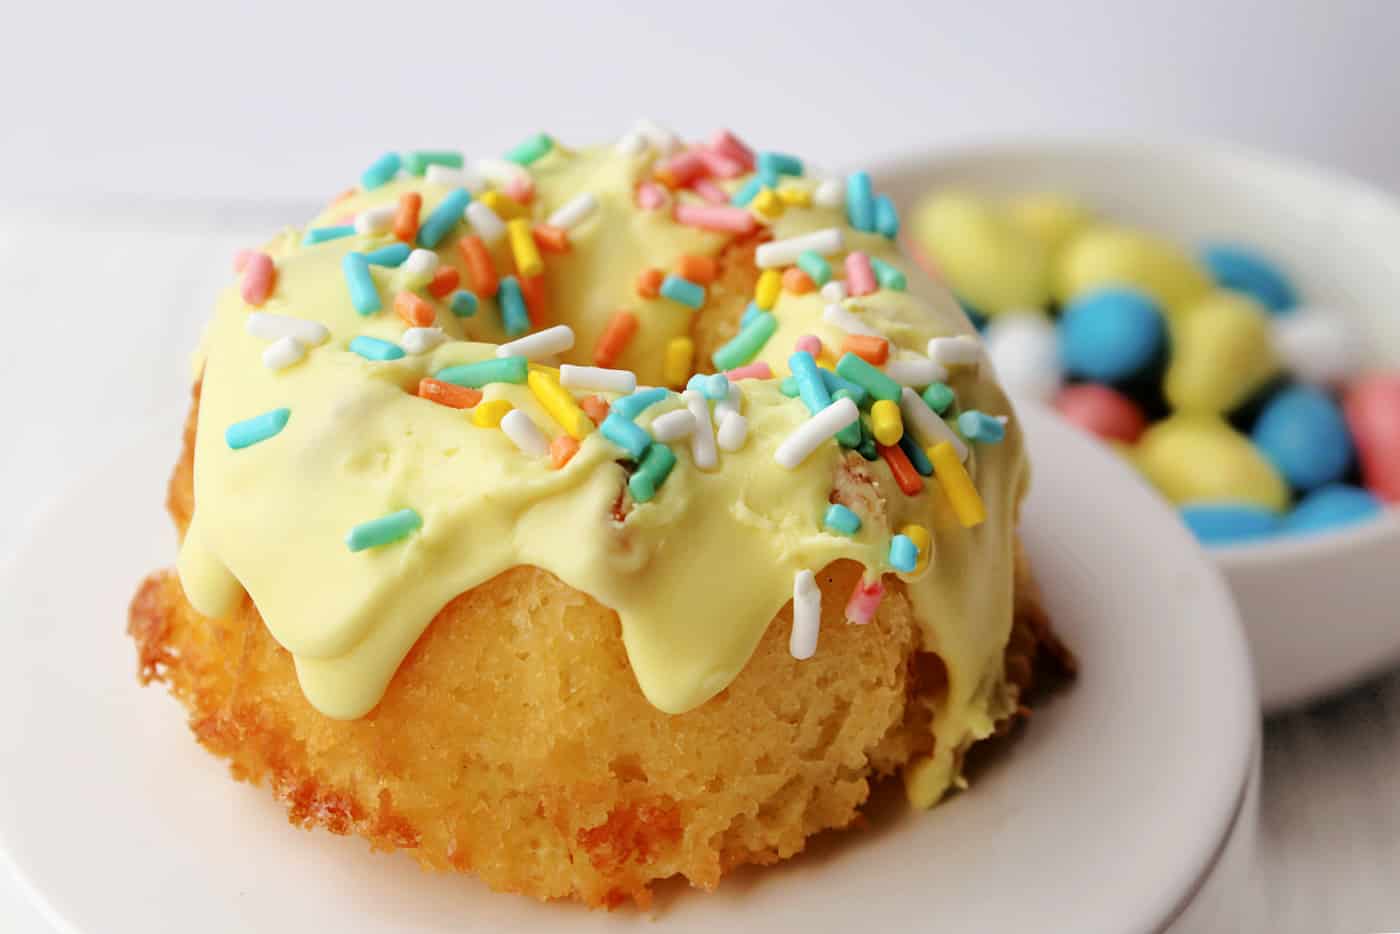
[(1051, 218), (1201, 459), (1117, 256), (1221, 353), (983, 257)]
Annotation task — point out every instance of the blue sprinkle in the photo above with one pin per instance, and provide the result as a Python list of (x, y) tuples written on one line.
[(810, 386), (788, 387), (690, 294), (888, 276), (779, 163), (904, 554), (747, 192), (392, 255), (372, 348), (444, 217), (860, 201), (886, 217), (364, 295), (715, 387), (462, 303), (384, 531), (750, 313), (833, 382), (381, 170), (317, 235), (515, 317), (625, 434), (916, 455), (841, 520), (979, 426), (255, 429), (638, 402)]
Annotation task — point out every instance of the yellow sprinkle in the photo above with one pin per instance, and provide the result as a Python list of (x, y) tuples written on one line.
[(489, 414), (767, 204), (826, 361), (680, 354), (522, 247), (770, 284), (886, 422), (506, 208), (957, 485), (922, 540), (795, 196), (560, 404)]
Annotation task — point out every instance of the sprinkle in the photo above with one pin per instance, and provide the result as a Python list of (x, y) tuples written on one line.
[(757, 370), (810, 387), (730, 146), (719, 165), (770, 283), (649, 282), (795, 196), (259, 277), (816, 268), (834, 383), (372, 348), (747, 193), (283, 352), (864, 601), (625, 433), (860, 202), (595, 407), (240, 258), (480, 266), (799, 445), (785, 252), (873, 350), (928, 427), (683, 291), (733, 432), (680, 355), (867, 447), (981, 427), (963, 350), (797, 282), (406, 216), (485, 222), (515, 317), (544, 343), (810, 343), (890, 277), (419, 161), (729, 404), (723, 218), (450, 177), (957, 485), (778, 163), (375, 220), (489, 414), (501, 172), (709, 190), (272, 327), (322, 234), (523, 248), (834, 292), (751, 311), (651, 472), (418, 270), (384, 531), (702, 270), (462, 304), (923, 543), (806, 615), (597, 379), (381, 171), (364, 295), (702, 441), (673, 425), (914, 370), (829, 193), (748, 343), (536, 294), (851, 435), (841, 520), (916, 455), (651, 196), (421, 340), (520, 189), (414, 310), (713, 386), (454, 397), (519, 428), (258, 428), (680, 170), (391, 256), (767, 204), (444, 217), (903, 554), (905, 476), (476, 375), (573, 212), (559, 403), (938, 397), (531, 149), (860, 275), (444, 282), (615, 338), (657, 136), (562, 450), (550, 239), (885, 422), (867, 377), (886, 218), (631, 144)]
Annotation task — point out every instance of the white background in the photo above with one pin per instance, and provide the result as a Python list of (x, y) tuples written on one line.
[(139, 141)]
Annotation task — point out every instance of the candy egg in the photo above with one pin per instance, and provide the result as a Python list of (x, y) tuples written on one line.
[(1227, 523), (1105, 256), (1331, 507), (1242, 270), (1110, 334), (1197, 458), (1372, 408), (1025, 353), (988, 261), (1051, 218), (1302, 432), (1102, 411), (1221, 354), (1316, 346)]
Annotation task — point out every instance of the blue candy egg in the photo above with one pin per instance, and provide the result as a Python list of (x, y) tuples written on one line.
[(1332, 507), (1111, 335), (1228, 523), (1235, 267), (1302, 433)]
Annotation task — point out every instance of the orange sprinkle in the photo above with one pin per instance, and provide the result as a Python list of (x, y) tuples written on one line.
[(406, 217), (871, 349), (448, 394), (414, 310), (797, 282), (649, 282), (536, 300), (551, 239), (904, 473), (444, 282), (595, 407), (479, 265), (614, 340), (561, 451), (350, 192), (700, 269)]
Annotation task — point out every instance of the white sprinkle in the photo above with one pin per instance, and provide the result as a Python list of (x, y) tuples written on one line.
[(730, 404), (597, 378), (830, 193), (733, 431), (422, 340), (834, 291), (806, 615), (544, 343), (702, 440), (486, 222), (574, 211), (840, 318), (962, 350), (283, 352), (799, 445), (674, 425), (501, 171), (657, 136), (915, 371), (518, 427), (926, 425), (270, 327), (632, 144), (417, 270), (449, 177), (785, 252), (376, 219)]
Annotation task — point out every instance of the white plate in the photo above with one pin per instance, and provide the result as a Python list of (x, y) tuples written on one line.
[(1107, 815)]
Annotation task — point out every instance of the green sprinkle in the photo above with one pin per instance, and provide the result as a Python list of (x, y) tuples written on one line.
[(745, 345), (651, 472), (867, 377), (258, 428), (416, 163), (381, 171), (476, 375), (979, 426), (889, 277), (779, 163), (462, 303), (841, 520), (938, 396), (816, 268), (690, 294), (848, 437), (372, 348), (835, 383), (530, 149), (383, 531), (317, 235)]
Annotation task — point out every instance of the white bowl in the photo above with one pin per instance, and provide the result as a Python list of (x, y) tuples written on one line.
[(1321, 611), (1127, 806)]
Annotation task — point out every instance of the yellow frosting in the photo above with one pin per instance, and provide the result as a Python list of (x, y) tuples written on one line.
[(695, 574)]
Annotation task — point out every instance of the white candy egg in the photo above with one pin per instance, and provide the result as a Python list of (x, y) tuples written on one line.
[(1024, 349), (1317, 346)]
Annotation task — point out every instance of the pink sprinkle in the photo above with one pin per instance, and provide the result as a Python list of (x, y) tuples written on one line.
[(346, 218), (650, 196), (810, 343), (259, 274), (709, 191), (240, 258), (715, 217), (865, 600), (756, 370), (718, 164), (726, 143), (683, 168), (860, 278), (520, 188)]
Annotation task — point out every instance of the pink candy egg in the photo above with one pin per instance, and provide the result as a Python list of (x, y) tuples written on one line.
[(1372, 408), (1101, 411)]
